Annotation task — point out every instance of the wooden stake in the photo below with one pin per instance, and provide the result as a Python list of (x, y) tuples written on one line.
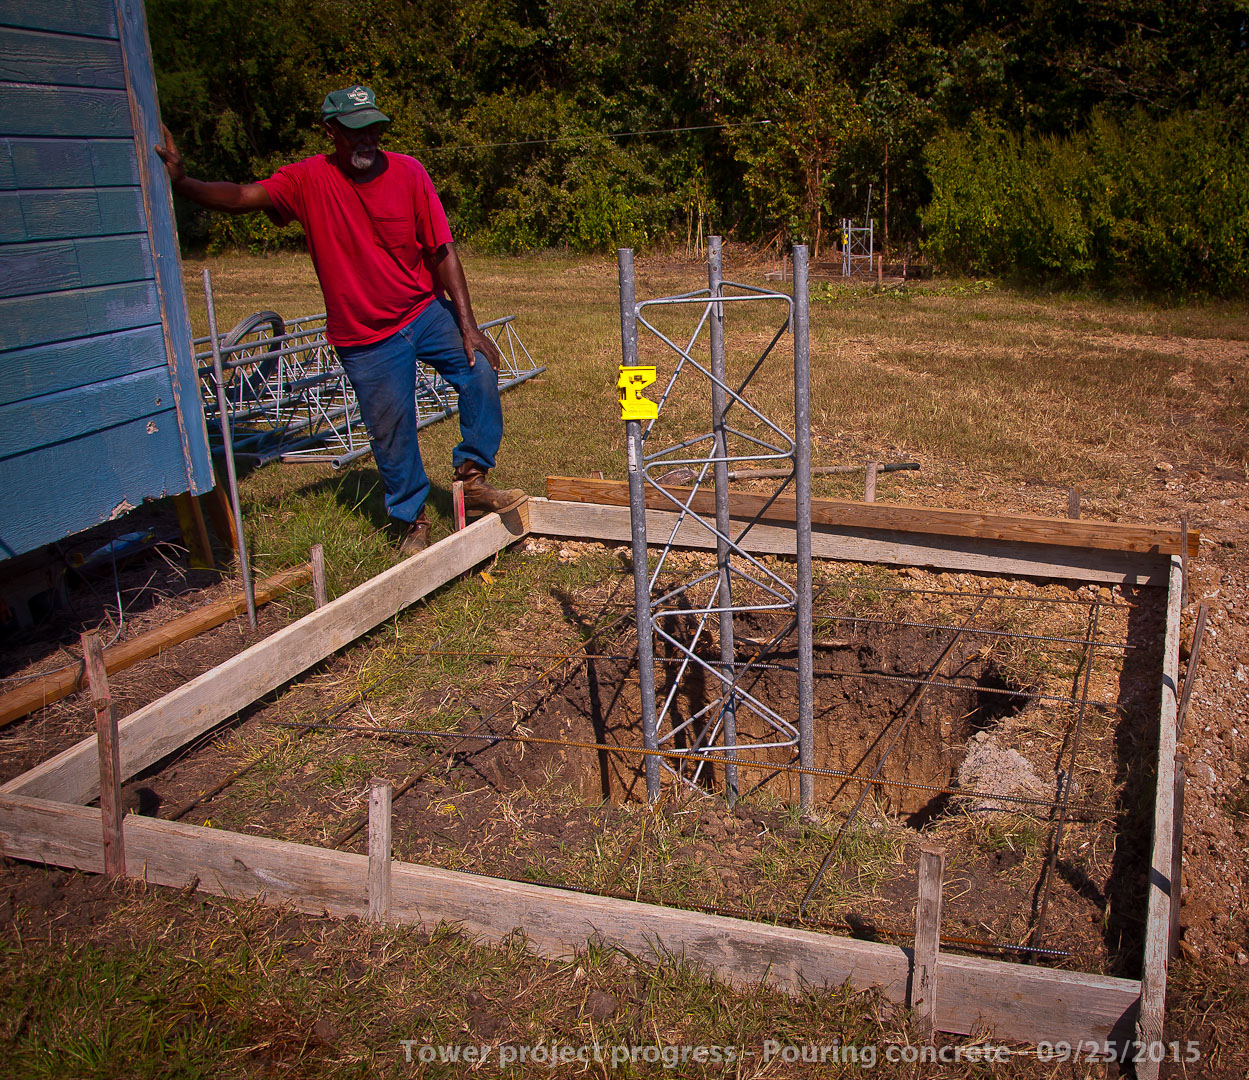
[(110, 758), (1177, 855), (194, 531), (1073, 504), (221, 514), (457, 505), (927, 939), (317, 560), (869, 483), (379, 849), (880, 269)]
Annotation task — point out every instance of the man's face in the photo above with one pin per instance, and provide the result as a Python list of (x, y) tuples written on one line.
[(355, 147)]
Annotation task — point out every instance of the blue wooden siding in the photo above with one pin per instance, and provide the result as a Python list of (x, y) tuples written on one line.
[(86, 18), (115, 470), (73, 264), (27, 56), (62, 365), (99, 403), (72, 414), (67, 163)]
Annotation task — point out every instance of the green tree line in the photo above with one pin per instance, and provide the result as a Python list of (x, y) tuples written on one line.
[(1091, 141)]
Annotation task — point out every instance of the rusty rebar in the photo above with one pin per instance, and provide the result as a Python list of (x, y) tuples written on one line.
[(906, 720)]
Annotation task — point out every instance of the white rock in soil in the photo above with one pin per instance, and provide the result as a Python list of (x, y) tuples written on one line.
[(997, 770)]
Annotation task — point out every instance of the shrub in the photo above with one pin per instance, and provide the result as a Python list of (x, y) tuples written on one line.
[(253, 233), (1153, 204)]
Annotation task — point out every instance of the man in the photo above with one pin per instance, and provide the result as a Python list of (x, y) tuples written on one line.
[(394, 292)]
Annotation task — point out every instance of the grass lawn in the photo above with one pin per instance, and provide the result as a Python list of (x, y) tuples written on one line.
[(976, 382)]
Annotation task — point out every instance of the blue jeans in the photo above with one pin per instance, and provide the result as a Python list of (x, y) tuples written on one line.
[(384, 377)]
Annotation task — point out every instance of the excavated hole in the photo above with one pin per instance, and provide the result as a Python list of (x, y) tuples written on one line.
[(858, 714)]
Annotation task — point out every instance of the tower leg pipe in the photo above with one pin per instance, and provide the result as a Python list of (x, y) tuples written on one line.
[(802, 493), (637, 521), (724, 594)]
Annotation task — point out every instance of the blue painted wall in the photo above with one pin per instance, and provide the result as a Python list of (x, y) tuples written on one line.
[(99, 404)]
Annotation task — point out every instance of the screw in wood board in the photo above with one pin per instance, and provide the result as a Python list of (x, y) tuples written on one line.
[(194, 531)]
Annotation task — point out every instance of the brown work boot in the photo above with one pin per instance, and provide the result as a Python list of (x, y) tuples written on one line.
[(482, 498), (415, 537)]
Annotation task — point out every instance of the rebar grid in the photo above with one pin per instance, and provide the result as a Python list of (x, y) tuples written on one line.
[(829, 615), (1064, 807), (581, 654), (1091, 811)]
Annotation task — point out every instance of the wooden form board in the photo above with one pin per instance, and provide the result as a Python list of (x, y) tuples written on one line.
[(169, 723), (1164, 890), (1016, 1002), (600, 522), (59, 684), (891, 517), (99, 394)]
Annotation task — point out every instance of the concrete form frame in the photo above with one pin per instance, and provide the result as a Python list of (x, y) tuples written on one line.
[(43, 819)]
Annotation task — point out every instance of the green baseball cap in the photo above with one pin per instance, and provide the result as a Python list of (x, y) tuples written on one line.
[(354, 107)]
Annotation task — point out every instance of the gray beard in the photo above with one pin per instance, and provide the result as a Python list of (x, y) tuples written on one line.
[(362, 160)]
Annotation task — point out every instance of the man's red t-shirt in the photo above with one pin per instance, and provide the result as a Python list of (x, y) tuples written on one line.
[(371, 243)]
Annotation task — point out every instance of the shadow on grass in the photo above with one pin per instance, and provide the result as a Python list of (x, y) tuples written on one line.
[(361, 493)]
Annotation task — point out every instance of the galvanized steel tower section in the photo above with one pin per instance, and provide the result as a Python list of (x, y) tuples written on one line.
[(741, 583)]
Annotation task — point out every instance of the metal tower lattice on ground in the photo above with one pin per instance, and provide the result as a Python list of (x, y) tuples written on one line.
[(290, 400)]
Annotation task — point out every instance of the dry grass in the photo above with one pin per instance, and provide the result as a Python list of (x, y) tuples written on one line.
[(1068, 391), (1077, 392)]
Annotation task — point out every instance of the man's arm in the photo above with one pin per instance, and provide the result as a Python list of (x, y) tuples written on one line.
[(450, 274), (226, 197)]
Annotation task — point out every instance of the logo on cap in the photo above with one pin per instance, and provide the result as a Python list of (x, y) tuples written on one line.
[(358, 94)]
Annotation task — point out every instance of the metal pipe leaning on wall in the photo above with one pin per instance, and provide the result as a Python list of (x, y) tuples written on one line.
[(231, 474)]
